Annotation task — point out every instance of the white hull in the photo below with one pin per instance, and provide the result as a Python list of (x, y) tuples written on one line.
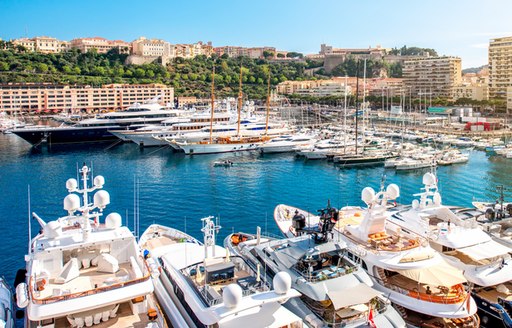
[(191, 149)]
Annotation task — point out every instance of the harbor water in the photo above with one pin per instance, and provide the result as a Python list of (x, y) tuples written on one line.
[(177, 190)]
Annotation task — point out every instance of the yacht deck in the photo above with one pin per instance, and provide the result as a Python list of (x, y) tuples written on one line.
[(89, 279), (491, 294)]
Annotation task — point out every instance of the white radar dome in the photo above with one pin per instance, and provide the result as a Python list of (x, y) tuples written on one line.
[(429, 179), (367, 195), (71, 185), (101, 199), (393, 191), (232, 295), (52, 229), (113, 220), (282, 282), (71, 203), (415, 204), (99, 181)]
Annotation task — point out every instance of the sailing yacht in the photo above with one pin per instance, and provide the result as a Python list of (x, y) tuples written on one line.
[(201, 284), (423, 287), (82, 272), (225, 144), (335, 290)]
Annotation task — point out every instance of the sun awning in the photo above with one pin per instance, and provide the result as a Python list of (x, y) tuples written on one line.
[(441, 274), (486, 250), (359, 294)]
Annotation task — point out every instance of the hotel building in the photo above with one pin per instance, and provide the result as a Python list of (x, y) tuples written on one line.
[(101, 45), (43, 44), (433, 76), (56, 98)]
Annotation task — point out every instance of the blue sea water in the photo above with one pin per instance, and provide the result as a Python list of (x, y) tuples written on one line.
[(178, 190)]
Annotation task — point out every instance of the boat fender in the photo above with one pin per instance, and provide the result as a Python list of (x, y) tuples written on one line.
[(22, 295), (154, 267)]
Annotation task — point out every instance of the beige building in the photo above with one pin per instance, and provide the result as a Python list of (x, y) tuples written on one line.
[(52, 98), (473, 91), (433, 76), (500, 67), (193, 50), (151, 48), (43, 44), (254, 52), (509, 99), (101, 45), (318, 88)]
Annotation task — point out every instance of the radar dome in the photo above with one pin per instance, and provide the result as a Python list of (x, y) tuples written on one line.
[(367, 195), (71, 185), (415, 204), (52, 229), (232, 295), (429, 179), (437, 198), (113, 220), (101, 199), (71, 202), (393, 191), (282, 282), (99, 181)]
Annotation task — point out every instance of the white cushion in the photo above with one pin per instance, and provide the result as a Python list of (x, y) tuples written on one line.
[(108, 263), (69, 272)]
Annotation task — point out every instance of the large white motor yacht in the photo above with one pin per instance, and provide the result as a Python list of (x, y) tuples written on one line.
[(82, 272), (202, 285)]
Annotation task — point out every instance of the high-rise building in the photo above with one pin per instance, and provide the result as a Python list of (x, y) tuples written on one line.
[(500, 67), (433, 76)]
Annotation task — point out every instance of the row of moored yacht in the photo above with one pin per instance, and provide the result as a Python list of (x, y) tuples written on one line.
[(382, 265)]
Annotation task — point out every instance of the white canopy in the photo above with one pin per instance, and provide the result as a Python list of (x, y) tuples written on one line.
[(359, 294), (441, 274), (486, 250)]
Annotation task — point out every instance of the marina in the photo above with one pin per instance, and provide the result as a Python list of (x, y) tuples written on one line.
[(240, 189)]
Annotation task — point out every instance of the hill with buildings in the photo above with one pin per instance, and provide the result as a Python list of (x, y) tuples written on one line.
[(189, 77)]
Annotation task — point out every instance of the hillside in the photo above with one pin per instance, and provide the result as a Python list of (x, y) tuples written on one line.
[(189, 77)]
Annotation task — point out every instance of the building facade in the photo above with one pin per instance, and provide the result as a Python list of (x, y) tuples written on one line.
[(433, 76), (254, 52), (57, 98), (101, 45), (472, 91), (500, 68), (43, 44)]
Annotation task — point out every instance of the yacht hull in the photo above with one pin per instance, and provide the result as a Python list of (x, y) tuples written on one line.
[(65, 135)]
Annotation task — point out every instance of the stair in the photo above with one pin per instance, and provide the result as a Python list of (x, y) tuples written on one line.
[(401, 310), (382, 275)]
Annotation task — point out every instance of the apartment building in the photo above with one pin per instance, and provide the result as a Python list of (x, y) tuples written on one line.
[(319, 88), (43, 44), (193, 50), (509, 99), (101, 45), (500, 67), (56, 98), (433, 76)]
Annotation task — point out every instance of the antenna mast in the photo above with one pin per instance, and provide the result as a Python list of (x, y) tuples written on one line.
[(268, 102), (240, 95), (213, 102)]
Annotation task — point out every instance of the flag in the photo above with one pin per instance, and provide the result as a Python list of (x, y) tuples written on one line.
[(370, 318)]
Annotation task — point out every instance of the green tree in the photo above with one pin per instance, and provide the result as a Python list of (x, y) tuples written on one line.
[(4, 66), (139, 72), (42, 68)]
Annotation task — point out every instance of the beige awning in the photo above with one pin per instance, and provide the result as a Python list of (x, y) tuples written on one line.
[(441, 274), (358, 294), (486, 250)]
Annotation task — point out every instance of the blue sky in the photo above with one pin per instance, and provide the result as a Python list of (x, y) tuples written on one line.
[(453, 27)]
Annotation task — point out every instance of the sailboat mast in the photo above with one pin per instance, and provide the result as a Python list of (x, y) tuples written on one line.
[(213, 102), (345, 116), (240, 95), (357, 100), (268, 103)]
